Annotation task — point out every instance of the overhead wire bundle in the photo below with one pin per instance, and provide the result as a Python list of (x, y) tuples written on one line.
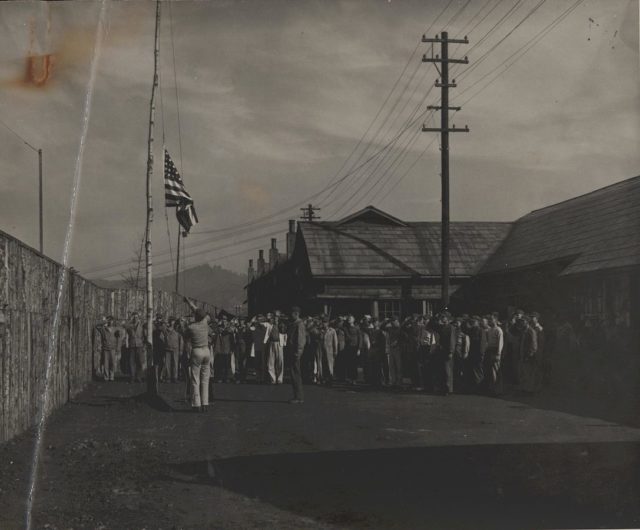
[(372, 169)]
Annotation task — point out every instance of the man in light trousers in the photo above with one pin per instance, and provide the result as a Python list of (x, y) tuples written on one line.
[(200, 360)]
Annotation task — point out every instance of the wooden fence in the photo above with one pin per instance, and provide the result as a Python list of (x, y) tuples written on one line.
[(28, 297)]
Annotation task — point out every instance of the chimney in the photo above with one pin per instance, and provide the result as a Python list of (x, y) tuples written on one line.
[(261, 262), (273, 253), (291, 238), (251, 273)]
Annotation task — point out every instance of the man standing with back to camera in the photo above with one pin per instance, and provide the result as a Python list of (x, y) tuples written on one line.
[(296, 340)]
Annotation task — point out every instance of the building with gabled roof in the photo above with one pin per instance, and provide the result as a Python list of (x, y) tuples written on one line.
[(372, 262), (579, 259)]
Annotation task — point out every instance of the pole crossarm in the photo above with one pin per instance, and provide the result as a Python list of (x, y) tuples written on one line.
[(438, 107), (450, 129), (444, 38), (436, 59)]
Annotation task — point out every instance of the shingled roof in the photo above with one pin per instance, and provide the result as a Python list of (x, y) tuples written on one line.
[(596, 231), (374, 244)]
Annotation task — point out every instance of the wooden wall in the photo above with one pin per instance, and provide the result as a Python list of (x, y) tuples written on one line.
[(28, 299)]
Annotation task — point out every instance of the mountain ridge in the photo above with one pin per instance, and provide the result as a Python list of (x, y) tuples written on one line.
[(215, 285)]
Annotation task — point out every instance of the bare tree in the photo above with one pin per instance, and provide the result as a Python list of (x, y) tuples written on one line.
[(132, 278)]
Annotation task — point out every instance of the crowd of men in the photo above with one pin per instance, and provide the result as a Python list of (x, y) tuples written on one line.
[(436, 354)]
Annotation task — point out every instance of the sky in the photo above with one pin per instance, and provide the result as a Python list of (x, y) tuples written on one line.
[(274, 96)]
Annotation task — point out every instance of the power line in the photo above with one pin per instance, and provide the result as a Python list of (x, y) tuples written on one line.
[(424, 98), (408, 170), (208, 250), (540, 35), (518, 54), (412, 141), (332, 184), (347, 202), (384, 103), (175, 83), (493, 28), (356, 181), (526, 47), (375, 136), (376, 196), (381, 151), (230, 233), (380, 162), (393, 141), (473, 67), (458, 13), (498, 2), (18, 136), (389, 170)]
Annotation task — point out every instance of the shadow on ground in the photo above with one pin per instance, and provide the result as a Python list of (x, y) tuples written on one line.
[(491, 486), (612, 407), (157, 402)]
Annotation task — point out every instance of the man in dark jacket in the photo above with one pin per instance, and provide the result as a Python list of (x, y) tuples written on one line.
[(296, 341), (244, 341), (136, 335), (445, 353), (259, 348), (352, 344), (223, 346), (476, 354)]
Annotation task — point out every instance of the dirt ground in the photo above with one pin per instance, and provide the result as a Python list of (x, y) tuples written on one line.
[(347, 458)]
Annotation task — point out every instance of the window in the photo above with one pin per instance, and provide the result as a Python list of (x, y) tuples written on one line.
[(389, 309)]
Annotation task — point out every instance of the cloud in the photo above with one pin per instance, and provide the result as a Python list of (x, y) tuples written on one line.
[(275, 95)]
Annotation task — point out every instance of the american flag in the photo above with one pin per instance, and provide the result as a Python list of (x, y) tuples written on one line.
[(187, 217), (176, 195)]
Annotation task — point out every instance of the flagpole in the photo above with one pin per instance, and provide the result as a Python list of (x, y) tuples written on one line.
[(152, 374), (178, 260)]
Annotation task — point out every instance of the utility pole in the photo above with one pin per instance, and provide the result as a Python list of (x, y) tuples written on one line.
[(40, 193), (444, 131), (309, 213)]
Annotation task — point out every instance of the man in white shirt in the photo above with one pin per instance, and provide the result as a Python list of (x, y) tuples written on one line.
[(494, 340)]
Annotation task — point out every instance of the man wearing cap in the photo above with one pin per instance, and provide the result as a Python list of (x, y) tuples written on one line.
[(426, 343), (366, 329), (136, 337), (338, 366), (412, 329), (353, 343), (476, 353), (542, 355), (259, 334), (394, 337), (244, 343), (223, 346), (296, 340), (173, 347), (159, 345), (446, 349), (528, 371), (329, 345), (200, 361), (511, 358), (275, 363), (110, 336), (461, 354), (494, 344)]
